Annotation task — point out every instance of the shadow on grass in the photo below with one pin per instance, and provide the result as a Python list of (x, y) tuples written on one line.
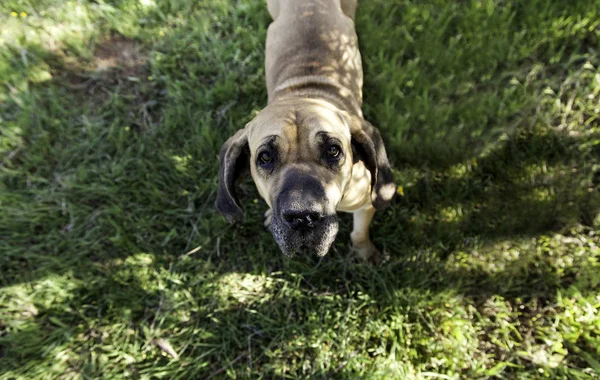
[(532, 184)]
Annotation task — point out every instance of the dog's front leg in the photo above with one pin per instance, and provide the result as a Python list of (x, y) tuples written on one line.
[(361, 242), (268, 218)]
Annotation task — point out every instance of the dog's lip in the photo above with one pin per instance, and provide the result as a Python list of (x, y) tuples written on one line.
[(319, 238), (325, 218), (309, 232)]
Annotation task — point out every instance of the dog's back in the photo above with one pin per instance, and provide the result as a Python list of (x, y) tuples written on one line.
[(312, 51)]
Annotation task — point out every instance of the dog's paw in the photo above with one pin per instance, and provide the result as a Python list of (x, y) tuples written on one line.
[(268, 217), (367, 252)]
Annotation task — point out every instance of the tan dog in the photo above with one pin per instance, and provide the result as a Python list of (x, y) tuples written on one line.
[(310, 151)]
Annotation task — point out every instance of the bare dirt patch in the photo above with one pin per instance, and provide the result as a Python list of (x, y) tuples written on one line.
[(118, 69), (121, 53)]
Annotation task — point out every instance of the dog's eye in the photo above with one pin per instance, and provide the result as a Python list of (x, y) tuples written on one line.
[(334, 151), (265, 159)]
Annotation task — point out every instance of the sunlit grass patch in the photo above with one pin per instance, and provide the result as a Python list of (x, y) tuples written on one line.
[(181, 162), (244, 288)]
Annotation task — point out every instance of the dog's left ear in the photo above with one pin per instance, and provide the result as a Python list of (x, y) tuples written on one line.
[(233, 159), (368, 146)]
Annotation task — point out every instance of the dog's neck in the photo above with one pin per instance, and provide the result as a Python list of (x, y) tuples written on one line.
[(312, 52), (317, 87)]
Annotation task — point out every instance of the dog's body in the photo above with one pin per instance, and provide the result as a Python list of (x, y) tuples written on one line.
[(311, 152), (312, 52)]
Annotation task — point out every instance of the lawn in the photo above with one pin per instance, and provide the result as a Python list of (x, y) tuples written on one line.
[(115, 264)]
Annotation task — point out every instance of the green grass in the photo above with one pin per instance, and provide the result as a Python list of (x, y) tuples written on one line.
[(111, 116)]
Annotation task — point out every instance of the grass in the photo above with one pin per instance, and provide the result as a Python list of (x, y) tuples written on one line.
[(114, 263)]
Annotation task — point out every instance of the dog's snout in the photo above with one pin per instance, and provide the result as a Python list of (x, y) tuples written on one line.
[(299, 220), (301, 203)]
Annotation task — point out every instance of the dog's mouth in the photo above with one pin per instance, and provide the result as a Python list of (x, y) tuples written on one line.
[(318, 238)]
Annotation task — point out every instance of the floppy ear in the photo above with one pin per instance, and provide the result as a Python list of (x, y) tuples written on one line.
[(233, 158), (368, 146)]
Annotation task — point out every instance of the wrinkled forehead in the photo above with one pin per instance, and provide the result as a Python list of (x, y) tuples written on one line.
[(295, 122)]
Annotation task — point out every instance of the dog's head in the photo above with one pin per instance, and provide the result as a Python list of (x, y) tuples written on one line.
[(301, 154)]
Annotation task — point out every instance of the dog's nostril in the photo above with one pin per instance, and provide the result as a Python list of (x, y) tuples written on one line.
[(301, 219)]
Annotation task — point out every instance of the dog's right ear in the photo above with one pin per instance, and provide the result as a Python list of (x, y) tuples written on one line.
[(233, 159), (371, 150)]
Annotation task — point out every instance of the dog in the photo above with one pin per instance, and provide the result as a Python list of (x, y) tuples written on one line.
[(310, 151)]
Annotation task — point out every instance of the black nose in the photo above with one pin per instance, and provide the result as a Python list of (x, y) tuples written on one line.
[(301, 220)]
